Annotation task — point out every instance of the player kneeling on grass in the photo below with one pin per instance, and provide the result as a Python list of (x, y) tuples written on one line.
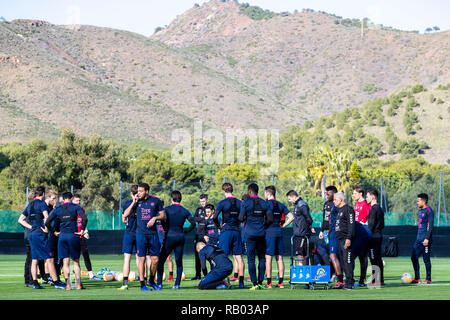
[(69, 243), (222, 267)]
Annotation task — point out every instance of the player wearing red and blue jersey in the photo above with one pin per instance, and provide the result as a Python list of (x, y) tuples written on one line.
[(329, 231), (422, 245), (149, 209), (230, 240), (274, 237), (175, 217), (129, 237), (69, 246), (257, 215), (34, 218)]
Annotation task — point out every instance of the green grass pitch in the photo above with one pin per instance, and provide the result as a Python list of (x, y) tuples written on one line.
[(12, 284)]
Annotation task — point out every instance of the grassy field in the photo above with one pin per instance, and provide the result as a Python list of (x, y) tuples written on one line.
[(12, 285)]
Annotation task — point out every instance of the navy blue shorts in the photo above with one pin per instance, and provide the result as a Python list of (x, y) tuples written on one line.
[(148, 244), (274, 246), (334, 243), (361, 241), (230, 241), (69, 246), (129, 243), (39, 247)]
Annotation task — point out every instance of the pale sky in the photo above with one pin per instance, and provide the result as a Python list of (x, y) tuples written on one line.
[(144, 16)]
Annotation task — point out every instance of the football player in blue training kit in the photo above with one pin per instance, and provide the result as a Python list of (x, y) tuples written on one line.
[(37, 214), (274, 237), (176, 215), (162, 236), (422, 245), (148, 209), (230, 239), (129, 237), (69, 245), (329, 231), (257, 215), (50, 200), (222, 267)]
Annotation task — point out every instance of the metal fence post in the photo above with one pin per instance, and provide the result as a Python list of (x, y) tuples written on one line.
[(120, 203), (445, 206), (28, 194), (440, 192), (224, 180), (273, 180), (325, 186), (174, 185), (113, 219)]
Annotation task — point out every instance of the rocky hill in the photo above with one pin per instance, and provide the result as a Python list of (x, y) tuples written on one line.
[(214, 63)]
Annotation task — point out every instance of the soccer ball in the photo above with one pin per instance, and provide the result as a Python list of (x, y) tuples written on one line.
[(164, 276), (183, 276), (132, 276), (119, 276), (108, 276), (406, 278)]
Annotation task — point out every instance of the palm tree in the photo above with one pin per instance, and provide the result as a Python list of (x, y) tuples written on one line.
[(335, 163)]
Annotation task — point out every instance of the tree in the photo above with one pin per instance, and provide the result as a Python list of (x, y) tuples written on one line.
[(418, 88), (240, 172), (355, 172), (436, 28), (355, 114), (428, 30), (391, 111), (157, 168), (308, 125), (395, 101), (90, 165), (392, 140)]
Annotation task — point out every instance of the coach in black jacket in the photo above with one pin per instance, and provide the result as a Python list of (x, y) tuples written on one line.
[(376, 225), (301, 227), (345, 232)]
